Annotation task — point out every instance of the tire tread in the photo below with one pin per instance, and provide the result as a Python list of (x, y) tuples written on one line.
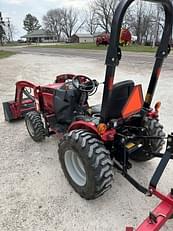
[(37, 124), (98, 158)]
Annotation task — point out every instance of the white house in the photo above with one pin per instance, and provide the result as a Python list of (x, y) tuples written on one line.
[(40, 36), (82, 38)]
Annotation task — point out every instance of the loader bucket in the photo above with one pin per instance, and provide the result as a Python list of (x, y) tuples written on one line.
[(8, 112)]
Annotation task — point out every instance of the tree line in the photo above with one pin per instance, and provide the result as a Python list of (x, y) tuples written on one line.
[(144, 20)]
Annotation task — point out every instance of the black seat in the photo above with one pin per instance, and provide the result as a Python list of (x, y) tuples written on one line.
[(120, 94), (65, 103)]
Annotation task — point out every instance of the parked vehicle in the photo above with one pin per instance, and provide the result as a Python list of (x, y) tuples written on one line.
[(125, 38)]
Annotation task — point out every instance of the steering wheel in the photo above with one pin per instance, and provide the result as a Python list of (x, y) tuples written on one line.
[(85, 84)]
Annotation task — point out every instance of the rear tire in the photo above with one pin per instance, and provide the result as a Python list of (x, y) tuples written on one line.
[(35, 126), (94, 175), (154, 128)]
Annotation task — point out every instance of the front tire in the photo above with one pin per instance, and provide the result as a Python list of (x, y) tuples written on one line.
[(86, 163), (35, 126)]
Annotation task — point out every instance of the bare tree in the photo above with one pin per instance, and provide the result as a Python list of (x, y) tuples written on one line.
[(158, 20), (104, 13), (91, 20), (136, 15), (53, 22), (140, 20), (69, 22), (2, 34)]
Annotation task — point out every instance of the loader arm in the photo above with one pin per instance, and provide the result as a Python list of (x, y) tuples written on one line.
[(20, 86)]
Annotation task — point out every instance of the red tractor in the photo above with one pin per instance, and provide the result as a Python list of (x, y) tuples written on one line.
[(103, 39), (96, 138), (125, 38)]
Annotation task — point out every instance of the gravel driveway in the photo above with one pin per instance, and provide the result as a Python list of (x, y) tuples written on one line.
[(34, 195)]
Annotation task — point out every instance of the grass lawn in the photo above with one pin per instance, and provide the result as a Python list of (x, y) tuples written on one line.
[(12, 44), (5, 54), (92, 46)]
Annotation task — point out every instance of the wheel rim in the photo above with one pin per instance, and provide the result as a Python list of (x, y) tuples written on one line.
[(30, 127), (75, 167)]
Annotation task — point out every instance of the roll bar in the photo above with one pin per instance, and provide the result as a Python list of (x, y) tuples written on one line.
[(113, 49)]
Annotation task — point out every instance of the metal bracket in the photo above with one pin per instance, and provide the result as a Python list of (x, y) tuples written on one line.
[(163, 163), (154, 218)]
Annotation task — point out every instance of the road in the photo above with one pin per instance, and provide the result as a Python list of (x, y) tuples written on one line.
[(128, 58)]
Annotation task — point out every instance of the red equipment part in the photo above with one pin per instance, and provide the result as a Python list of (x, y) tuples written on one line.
[(83, 125), (22, 104), (108, 135), (159, 216), (125, 36), (25, 101)]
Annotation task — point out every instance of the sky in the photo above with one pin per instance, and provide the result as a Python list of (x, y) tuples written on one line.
[(16, 10)]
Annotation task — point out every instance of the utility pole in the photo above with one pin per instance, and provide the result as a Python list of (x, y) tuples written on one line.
[(2, 33), (1, 19), (10, 35), (7, 23)]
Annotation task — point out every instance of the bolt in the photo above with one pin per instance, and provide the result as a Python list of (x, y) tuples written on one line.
[(123, 140), (149, 193), (170, 139)]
